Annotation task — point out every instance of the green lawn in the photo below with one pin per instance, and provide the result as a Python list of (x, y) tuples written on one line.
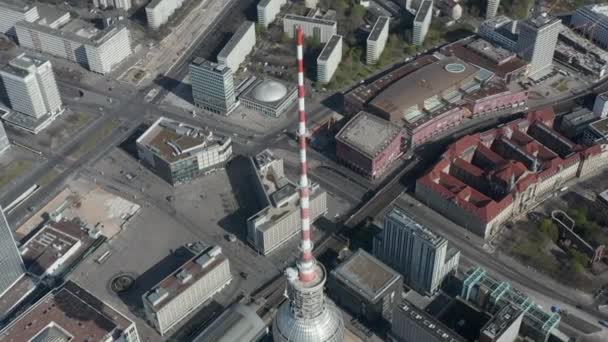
[(48, 177), (96, 138), (13, 170), (76, 121)]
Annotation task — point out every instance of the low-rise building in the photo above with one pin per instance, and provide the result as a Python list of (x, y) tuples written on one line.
[(269, 96), (422, 22), (279, 219), (495, 97), (238, 323), (366, 287), (178, 152), (268, 10), (117, 4), (316, 28), (14, 11), (484, 179), (158, 12), (579, 53), (500, 30), (329, 59), (187, 288), (600, 106), (78, 41), (369, 144), (576, 122), (504, 326), (376, 41), (411, 324), (592, 22), (238, 47), (596, 133), (70, 313)]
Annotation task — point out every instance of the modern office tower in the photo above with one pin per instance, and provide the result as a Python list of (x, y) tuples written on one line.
[(178, 152), (189, 287), (118, 4), (600, 107), (376, 41), (11, 264), (311, 3), (158, 12), (212, 86), (422, 22), (329, 59), (421, 256), (31, 87), (268, 10), (308, 316), (78, 41), (238, 47), (536, 43), (5, 144), (492, 8), (70, 313), (319, 29), (12, 12)]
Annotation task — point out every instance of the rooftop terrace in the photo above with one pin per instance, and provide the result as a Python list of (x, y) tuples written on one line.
[(368, 134)]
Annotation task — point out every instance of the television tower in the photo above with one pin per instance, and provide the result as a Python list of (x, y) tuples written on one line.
[(308, 316)]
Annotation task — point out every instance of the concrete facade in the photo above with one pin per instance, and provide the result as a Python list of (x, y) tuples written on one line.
[(329, 59), (268, 10), (238, 47), (492, 8), (412, 324), (376, 41), (11, 264), (118, 4), (212, 86), (315, 28), (592, 22), (600, 106), (5, 144), (158, 12), (11, 13), (422, 22), (536, 43)]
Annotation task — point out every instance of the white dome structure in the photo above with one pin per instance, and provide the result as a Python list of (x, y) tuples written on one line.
[(269, 91)]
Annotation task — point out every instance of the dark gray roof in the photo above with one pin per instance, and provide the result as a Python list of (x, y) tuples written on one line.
[(378, 27), (239, 323), (329, 47)]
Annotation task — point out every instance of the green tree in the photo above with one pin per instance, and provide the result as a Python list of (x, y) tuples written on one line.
[(549, 229), (577, 257)]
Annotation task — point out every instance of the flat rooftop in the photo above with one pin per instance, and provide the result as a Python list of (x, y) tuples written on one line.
[(368, 133), (173, 140), (428, 323), (424, 9), (26, 61), (17, 5), (236, 38), (422, 232), (366, 274), (185, 276), (15, 294), (601, 127), (329, 47), (502, 321), (77, 30), (542, 20), (211, 66), (71, 310), (238, 323), (494, 53), (378, 27), (312, 20)]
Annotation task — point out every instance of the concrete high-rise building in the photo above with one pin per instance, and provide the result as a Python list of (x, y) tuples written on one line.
[(212, 86), (492, 8), (31, 86), (376, 41), (118, 4), (422, 22), (12, 12), (316, 28), (158, 12), (189, 287), (238, 47), (329, 59), (536, 44), (600, 107), (421, 256), (11, 264), (268, 10)]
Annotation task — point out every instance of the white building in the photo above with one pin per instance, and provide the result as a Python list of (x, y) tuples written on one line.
[(188, 288), (12, 12), (11, 264), (500, 30), (536, 44), (492, 8), (592, 21), (31, 86), (420, 255), (118, 4), (422, 22), (5, 144), (600, 106), (212, 86), (376, 41), (315, 28), (78, 41), (311, 3), (238, 47), (268, 10), (329, 59), (158, 12)]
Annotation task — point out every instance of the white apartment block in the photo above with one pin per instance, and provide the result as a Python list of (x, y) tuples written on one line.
[(592, 21), (268, 10), (422, 22), (376, 41), (329, 59), (238, 47), (118, 4), (187, 289), (31, 86), (77, 41), (158, 12), (212, 86), (600, 106), (492, 8), (316, 28), (12, 12)]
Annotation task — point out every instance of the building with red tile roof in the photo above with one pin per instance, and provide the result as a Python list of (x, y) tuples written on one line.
[(484, 179)]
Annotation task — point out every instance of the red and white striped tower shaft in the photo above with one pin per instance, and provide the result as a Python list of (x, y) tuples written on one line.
[(306, 264)]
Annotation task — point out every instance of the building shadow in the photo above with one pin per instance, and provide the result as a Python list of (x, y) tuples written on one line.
[(176, 87), (129, 145)]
